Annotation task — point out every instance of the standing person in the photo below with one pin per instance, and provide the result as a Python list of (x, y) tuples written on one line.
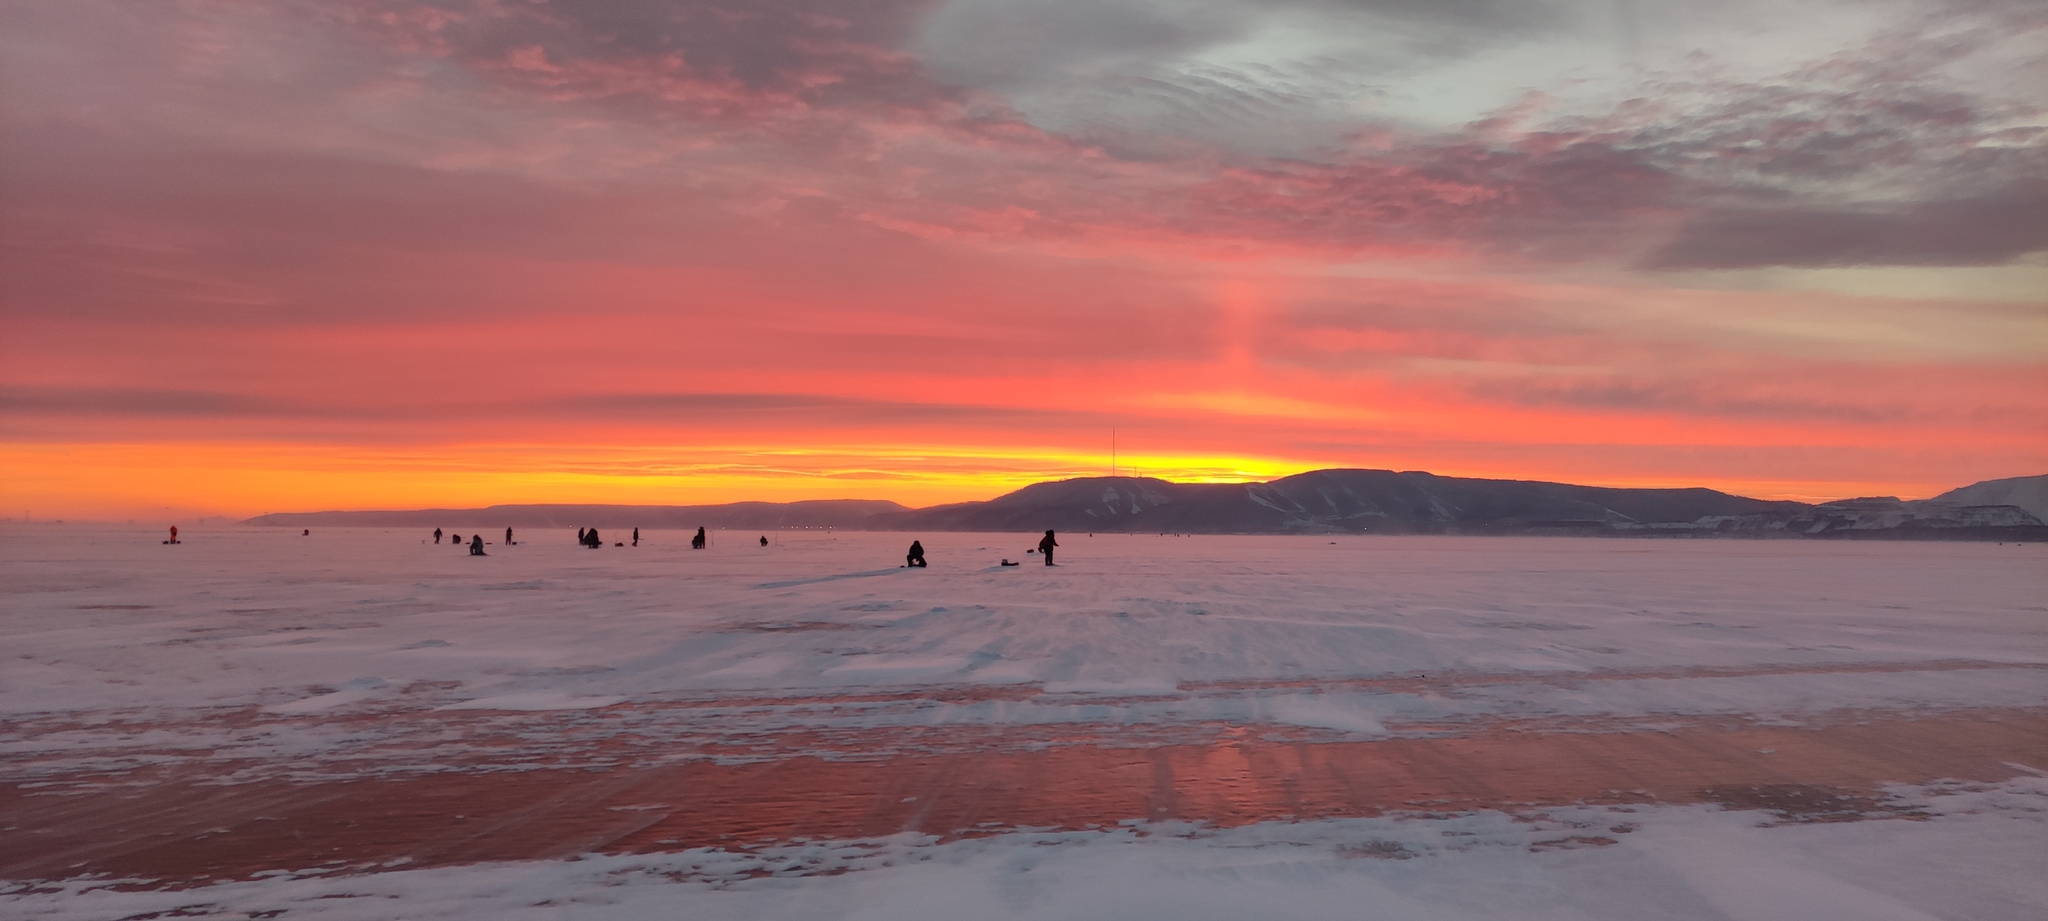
[(174, 535), (437, 535), (916, 557), (636, 537), (697, 543), (1045, 545), (508, 537), (580, 538)]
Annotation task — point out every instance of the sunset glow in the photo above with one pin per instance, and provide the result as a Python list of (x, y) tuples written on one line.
[(380, 254)]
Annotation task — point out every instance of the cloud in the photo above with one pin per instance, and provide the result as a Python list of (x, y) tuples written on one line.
[(1984, 231)]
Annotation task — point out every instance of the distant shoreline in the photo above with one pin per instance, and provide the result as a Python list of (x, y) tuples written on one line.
[(1318, 503)]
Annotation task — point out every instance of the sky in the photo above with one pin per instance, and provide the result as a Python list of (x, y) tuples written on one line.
[(287, 255)]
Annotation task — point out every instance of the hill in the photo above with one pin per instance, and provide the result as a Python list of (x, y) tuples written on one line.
[(1321, 501)]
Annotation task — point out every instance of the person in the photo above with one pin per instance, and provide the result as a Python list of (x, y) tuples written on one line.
[(508, 537), (916, 557), (437, 535), (174, 535), (476, 545), (306, 533), (1045, 545), (580, 538), (591, 540), (764, 540), (636, 537), (697, 543), (455, 540)]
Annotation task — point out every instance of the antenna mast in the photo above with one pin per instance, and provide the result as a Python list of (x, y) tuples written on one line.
[(1112, 451)]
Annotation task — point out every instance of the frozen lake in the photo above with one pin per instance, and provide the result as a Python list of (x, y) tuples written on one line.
[(360, 723)]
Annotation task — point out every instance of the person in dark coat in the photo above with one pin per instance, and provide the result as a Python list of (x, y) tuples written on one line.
[(1045, 545), (437, 535), (697, 543), (508, 537), (764, 540), (636, 537), (591, 540), (476, 545), (916, 557), (580, 538)]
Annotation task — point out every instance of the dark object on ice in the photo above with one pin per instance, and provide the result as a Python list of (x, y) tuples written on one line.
[(1006, 562), (697, 543), (580, 537), (636, 537), (619, 544), (591, 540), (764, 540), (306, 533), (476, 545), (916, 555), (174, 535), (455, 540), (1045, 545), (437, 535), (508, 537)]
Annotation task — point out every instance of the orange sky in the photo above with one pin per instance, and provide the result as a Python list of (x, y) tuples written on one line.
[(385, 255)]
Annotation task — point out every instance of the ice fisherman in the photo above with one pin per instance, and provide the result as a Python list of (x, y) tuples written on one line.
[(916, 557), (1045, 545), (580, 538), (437, 535), (764, 540), (476, 545), (591, 540), (508, 537), (636, 537), (174, 534), (697, 543)]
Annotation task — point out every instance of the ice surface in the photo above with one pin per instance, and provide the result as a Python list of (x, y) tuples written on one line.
[(257, 653), (109, 619), (1974, 856)]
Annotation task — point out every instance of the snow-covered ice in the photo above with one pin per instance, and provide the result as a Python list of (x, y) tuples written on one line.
[(248, 659)]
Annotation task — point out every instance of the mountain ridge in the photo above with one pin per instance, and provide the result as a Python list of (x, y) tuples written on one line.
[(1339, 500)]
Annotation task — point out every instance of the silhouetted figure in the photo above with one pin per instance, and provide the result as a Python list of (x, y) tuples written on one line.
[(764, 540), (508, 537), (916, 557), (636, 537), (174, 535), (306, 533), (476, 545), (591, 540), (581, 538), (697, 543), (1045, 545), (437, 535)]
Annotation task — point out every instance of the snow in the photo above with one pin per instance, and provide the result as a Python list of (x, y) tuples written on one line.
[(1975, 855), (121, 651)]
